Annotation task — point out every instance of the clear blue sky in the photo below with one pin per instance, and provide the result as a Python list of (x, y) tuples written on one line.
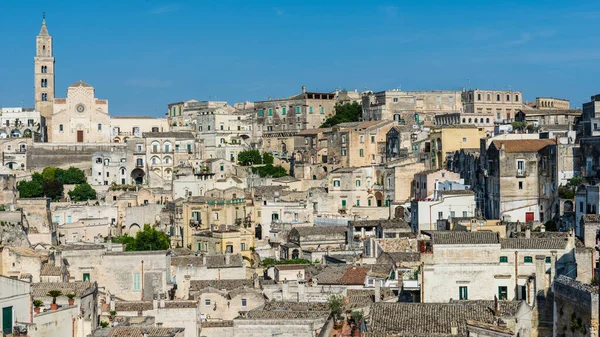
[(142, 55)]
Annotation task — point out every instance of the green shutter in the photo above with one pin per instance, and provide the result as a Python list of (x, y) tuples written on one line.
[(260, 112), (528, 259), (86, 277), (344, 203), (548, 259), (322, 111), (283, 111), (137, 282), (357, 202), (270, 112), (358, 183), (503, 259), (310, 109), (7, 320), (297, 110)]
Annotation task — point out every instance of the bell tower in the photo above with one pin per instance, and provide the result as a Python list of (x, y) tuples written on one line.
[(44, 73)]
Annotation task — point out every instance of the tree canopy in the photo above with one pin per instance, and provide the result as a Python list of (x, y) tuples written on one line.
[(270, 171), (50, 182), (348, 112), (83, 192), (249, 157), (268, 158), (146, 239)]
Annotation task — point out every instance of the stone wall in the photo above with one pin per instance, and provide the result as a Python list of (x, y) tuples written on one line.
[(574, 301), (40, 155), (279, 327)]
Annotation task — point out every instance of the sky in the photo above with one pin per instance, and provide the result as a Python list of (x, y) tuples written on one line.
[(141, 55)]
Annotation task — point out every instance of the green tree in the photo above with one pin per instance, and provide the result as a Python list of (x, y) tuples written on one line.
[(249, 157), (82, 192), (72, 175), (49, 173), (37, 178), (270, 171), (348, 112), (53, 189), (268, 158), (336, 305), (30, 189), (128, 241), (150, 239)]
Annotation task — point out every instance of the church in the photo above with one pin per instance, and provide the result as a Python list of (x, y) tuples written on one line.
[(78, 118)]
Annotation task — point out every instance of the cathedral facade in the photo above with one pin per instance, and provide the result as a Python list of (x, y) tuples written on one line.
[(78, 118)]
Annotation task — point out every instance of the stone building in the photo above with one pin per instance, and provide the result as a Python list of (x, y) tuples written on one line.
[(15, 303), (125, 127), (20, 263), (165, 151), (575, 307), (426, 182), (498, 105), (80, 117), (357, 143), (521, 180), (224, 133), (310, 154), (322, 238), (168, 315), (218, 304), (279, 120), (396, 104), (22, 123), (434, 213), (14, 154), (444, 142), (398, 143), (224, 241), (363, 191), (43, 79), (206, 267), (590, 117), (551, 103)]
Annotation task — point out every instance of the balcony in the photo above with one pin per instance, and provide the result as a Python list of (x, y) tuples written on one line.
[(522, 173)]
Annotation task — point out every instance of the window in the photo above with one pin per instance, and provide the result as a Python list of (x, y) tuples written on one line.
[(440, 215), (56, 218), (297, 110), (137, 282), (60, 128), (487, 120), (310, 110), (222, 127), (208, 126), (581, 206), (69, 219), (362, 138), (222, 167), (508, 98), (548, 259), (362, 152), (207, 302), (284, 111), (270, 112), (336, 183), (357, 183), (503, 259), (357, 202), (463, 293), (44, 97), (167, 147), (516, 98), (502, 293), (479, 97), (322, 111), (465, 214), (489, 97), (44, 83), (99, 127), (343, 151), (343, 203), (44, 69), (260, 113), (242, 246), (244, 302), (520, 185), (527, 259), (498, 97), (139, 162), (395, 99), (452, 214), (86, 277), (464, 140), (369, 202), (372, 139), (498, 116), (216, 216)]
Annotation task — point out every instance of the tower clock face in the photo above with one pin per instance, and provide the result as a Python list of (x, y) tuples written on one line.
[(80, 108)]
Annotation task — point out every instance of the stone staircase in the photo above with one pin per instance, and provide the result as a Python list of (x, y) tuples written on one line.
[(545, 314)]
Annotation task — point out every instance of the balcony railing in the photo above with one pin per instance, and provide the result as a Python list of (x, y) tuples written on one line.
[(522, 173)]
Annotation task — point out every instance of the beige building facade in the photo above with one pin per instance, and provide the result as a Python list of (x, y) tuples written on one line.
[(44, 73), (125, 127), (499, 105), (80, 117)]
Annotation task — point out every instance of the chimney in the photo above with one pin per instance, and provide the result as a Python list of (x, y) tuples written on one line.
[(256, 281), (301, 292), (377, 291), (304, 89), (553, 266), (540, 275), (495, 305), (454, 328), (161, 303), (518, 227), (155, 302), (204, 260), (528, 233), (542, 228), (112, 303), (183, 292), (571, 238), (285, 290), (227, 258)]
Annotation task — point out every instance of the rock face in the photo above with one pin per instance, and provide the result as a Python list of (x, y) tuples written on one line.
[(12, 234)]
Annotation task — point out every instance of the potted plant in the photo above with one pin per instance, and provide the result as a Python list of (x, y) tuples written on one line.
[(54, 294), (71, 298), (112, 313), (37, 306)]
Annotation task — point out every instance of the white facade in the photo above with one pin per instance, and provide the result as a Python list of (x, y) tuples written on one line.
[(424, 214), (14, 301)]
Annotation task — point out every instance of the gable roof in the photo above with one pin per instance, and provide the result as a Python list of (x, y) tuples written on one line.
[(523, 145), (212, 261), (80, 84), (220, 284), (461, 238), (534, 243), (320, 230), (435, 319)]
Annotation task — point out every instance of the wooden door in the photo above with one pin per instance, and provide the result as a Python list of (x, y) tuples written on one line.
[(79, 136), (528, 216), (7, 320)]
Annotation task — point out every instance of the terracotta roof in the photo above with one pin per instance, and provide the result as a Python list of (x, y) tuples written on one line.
[(354, 276), (80, 84), (461, 238), (78, 288), (101, 101), (180, 304), (50, 270), (284, 314), (392, 223), (523, 145), (212, 261), (216, 324), (534, 243), (435, 319), (60, 100), (321, 230), (136, 331), (133, 306), (296, 306), (220, 284), (360, 298)]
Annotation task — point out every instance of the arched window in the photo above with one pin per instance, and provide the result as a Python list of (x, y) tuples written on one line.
[(44, 69), (167, 160), (470, 120), (222, 140), (123, 171), (498, 97), (464, 120), (481, 120), (155, 146), (508, 98), (167, 146), (487, 120)]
